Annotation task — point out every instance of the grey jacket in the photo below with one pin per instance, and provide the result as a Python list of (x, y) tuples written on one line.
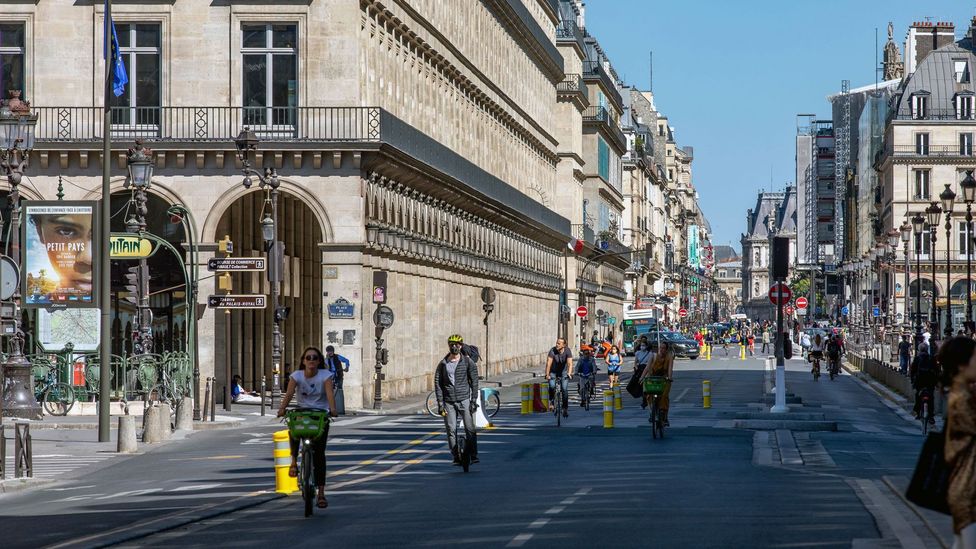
[(465, 381)]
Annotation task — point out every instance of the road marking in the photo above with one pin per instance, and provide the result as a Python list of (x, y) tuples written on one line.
[(519, 540), (555, 510), (71, 488), (539, 523), (196, 487), (207, 458), (680, 396)]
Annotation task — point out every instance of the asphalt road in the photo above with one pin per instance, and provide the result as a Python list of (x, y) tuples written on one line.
[(707, 484)]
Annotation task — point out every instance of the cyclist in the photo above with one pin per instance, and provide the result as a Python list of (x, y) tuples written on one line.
[(662, 366), (587, 370), (642, 357), (313, 388), (924, 374), (456, 387), (833, 354), (816, 351), (560, 359)]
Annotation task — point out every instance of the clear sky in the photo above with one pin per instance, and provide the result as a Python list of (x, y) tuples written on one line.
[(732, 74)]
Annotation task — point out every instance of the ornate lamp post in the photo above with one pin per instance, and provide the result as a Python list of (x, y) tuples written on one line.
[(906, 231), (140, 165), (968, 186), (17, 140), (934, 215), (918, 225), (179, 214), (893, 237), (246, 142), (948, 198)]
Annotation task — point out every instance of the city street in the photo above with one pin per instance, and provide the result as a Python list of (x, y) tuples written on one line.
[(708, 483)]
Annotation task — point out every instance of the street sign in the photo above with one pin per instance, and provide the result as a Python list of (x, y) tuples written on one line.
[(682, 313), (581, 311), (487, 295), (876, 311), (238, 264), (788, 309), (801, 312), (342, 308), (801, 302), (130, 246), (383, 317), (229, 301), (645, 302), (845, 310), (780, 294), (612, 320)]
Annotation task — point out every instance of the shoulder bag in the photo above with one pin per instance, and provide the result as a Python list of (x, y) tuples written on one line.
[(929, 486)]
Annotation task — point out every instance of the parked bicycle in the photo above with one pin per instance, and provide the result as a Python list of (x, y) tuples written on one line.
[(56, 397), (653, 389)]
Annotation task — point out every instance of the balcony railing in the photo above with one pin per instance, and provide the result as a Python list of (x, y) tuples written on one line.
[(585, 233), (574, 84), (936, 114), (595, 70), (931, 150), (208, 124), (569, 31), (600, 115)]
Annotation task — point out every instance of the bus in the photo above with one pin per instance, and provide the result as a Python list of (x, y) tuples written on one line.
[(636, 323)]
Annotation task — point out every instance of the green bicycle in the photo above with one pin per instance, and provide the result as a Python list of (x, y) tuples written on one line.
[(307, 424)]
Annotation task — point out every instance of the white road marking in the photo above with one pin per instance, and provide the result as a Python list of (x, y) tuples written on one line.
[(196, 487), (539, 523), (519, 540)]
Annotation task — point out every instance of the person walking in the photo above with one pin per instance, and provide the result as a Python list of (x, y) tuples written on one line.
[(613, 360), (765, 341), (958, 358), (904, 354)]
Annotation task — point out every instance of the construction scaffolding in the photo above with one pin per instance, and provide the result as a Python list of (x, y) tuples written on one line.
[(842, 146), (806, 190)]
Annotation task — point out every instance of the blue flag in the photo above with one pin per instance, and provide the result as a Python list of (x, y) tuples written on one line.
[(119, 76)]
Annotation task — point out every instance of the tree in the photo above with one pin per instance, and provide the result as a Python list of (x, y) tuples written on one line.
[(800, 284)]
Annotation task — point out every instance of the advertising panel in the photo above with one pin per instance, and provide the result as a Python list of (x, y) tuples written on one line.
[(58, 254), (694, 260)]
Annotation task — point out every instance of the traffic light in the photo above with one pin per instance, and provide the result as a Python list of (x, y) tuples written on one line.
[(281, 314), (132, 285), (225, 246), (225, 283)]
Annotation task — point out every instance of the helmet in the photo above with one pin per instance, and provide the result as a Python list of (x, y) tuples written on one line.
[(456, 338)]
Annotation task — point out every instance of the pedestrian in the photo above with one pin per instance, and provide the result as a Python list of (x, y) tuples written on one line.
[(766, 340), (613, 360), (752, 344), (904, 354), (959, 361), (804, 344)]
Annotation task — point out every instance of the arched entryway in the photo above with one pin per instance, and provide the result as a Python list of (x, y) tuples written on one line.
[(924, 300), (250, 343), (958, 295)]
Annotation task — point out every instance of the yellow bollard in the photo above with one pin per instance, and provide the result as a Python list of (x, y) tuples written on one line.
[(742, 356), (618, 402), (544, 395), (708, 352), (284, 484), (607, 409), (526, 398), (706, 393)]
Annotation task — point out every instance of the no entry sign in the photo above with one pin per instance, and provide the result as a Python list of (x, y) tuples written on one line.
[(801, 302), (682, 313), (789, 309), (780, 294), (581, 311)]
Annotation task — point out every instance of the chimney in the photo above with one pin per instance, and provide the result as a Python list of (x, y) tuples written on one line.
[(923, 38)]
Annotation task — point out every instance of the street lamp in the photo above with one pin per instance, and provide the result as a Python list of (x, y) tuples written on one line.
[(16, 140), (948, 198), (906, 232), (968, 187), (934, 215), (918, 225), (892, 249), (140, 164), (247, 142)]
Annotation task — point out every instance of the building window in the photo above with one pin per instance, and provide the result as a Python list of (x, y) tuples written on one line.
[(660, 130), (603, 159), (139, 44), (721, 273), (961, 71), (12, 52), (962, 239), (270, 60), (921, 184), (925, 244), (738, 293), (966, 144), (920, 106), (964, 107), (922, 144)]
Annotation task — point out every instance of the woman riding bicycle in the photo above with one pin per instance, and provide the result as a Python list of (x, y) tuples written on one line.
[(662, 366), (314, 388), (817, 352)]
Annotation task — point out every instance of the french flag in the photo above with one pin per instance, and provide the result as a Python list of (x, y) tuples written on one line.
[(575, 246)]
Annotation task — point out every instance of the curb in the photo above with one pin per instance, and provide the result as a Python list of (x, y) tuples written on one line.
[(946, 544), (173, 521), (19, 484)]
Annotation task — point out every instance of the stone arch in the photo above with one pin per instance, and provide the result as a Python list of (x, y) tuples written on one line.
[(209, 231), (958, 290)]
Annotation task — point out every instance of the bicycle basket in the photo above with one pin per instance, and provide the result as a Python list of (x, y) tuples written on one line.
[(307, 423), (654, 385)]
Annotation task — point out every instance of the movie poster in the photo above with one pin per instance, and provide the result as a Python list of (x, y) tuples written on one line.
[(59, 256)]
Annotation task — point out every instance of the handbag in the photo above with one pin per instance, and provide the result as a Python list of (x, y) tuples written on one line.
[(634, 385), (929, 486)]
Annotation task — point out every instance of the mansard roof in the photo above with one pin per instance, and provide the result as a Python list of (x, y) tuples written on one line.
[(767, 204), (786, 218), (935, 77)]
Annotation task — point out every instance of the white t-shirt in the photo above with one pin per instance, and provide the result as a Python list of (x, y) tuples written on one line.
[(310, 391)]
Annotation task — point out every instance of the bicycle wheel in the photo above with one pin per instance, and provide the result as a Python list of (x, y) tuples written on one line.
[(156, 395), (308, 491), (585, 395), (431, 403), (492, 405), (58, 399), (557, 406), (654, 412)]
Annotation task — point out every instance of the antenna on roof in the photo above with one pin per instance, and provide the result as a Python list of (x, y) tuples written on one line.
[(651, 62), (877, 66)]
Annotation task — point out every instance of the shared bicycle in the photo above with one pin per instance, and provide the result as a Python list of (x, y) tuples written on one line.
[(492, 402), (55, 396), (586, 388), (307, 424), (654, 387)]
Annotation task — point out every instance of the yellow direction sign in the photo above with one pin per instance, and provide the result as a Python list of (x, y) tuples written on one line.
[(130, 247)]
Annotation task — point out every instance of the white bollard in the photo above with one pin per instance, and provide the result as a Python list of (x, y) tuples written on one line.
[(165, 427), (151, 426), (184, 415), (127, 435)]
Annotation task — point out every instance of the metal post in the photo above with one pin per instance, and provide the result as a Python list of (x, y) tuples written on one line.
[(262, 395), (933, 314), (969, 262), (905, 298), (378, 375), (275, 289), (227, 362), (105, 274), (918, 290), (948, 228), (780, 406)]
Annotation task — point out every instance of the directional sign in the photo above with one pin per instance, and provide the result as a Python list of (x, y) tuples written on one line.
[(682, 313), (130, 247), (612, 320), (228, 301), (237, 264), (876, 311), (581, 311), (780, 294), (383, 317), (801, 303)]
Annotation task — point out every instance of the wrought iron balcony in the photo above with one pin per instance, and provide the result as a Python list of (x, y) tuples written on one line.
[(936, 114), (569, 31), (593, 70), (931, 150), (600, 115), (207, 124), (574, 84), (584, 232)]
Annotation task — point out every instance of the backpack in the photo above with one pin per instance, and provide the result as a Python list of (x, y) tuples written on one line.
[(471, 352)]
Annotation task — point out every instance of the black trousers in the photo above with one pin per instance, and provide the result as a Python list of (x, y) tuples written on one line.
[(318, 455)]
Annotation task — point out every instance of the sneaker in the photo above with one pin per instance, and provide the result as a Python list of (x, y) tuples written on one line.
[(456, 462), (667, 423), (931, 421), (644, 405), (565, 413), (474, 459)]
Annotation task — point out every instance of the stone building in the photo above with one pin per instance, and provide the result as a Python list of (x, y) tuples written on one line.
[(728, 277), (775, 214), (405, 143)]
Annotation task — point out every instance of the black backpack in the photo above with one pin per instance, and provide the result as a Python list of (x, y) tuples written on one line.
[(471, 352)]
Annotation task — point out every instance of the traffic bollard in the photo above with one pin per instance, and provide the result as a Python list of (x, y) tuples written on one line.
[(151, 425), (544, 395), (607, 409), (526, 399), (742, 355), (165, 425), (537, 405), (618, 402), (184, 414), (127, 435), (706, 393), (284, 484), (206, 401), (708, 352), (263, 388)]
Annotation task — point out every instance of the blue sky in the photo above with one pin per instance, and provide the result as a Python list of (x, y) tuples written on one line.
[(732, 74)]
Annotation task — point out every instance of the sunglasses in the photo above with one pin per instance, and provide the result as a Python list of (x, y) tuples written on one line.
[(312, 357)]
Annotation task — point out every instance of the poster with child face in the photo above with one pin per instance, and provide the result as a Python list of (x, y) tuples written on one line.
[(59, 254)]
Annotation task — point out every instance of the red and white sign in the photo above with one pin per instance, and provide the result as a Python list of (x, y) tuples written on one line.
[(581, 311), (780, 294), (575, 246), (682, 313), (788, 309), (801, 302)]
